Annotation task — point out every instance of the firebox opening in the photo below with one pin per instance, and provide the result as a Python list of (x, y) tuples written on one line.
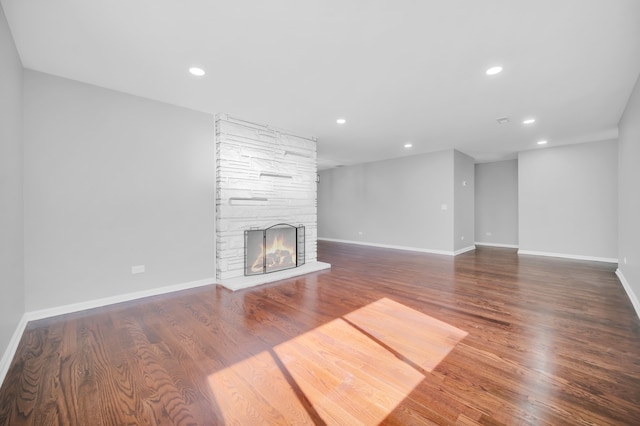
[(273, 249)]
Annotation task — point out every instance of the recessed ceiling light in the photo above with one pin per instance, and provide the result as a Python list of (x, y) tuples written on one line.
[(341, 121), (503, 120), (198, 72), (542, 142), (529, 121), (494, 70), (408, 145)]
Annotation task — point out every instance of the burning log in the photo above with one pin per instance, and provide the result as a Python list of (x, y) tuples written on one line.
[(278, 251)]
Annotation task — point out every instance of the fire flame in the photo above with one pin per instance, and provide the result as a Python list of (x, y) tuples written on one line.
[(278, 255)]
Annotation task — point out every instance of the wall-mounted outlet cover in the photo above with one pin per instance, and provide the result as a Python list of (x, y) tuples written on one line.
[(138, 269)]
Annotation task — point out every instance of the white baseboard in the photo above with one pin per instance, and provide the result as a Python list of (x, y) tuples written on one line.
[(480, 243), (390, 246), (10, 352), (464, 250), (569, 256), (97, 303), (627, 287)]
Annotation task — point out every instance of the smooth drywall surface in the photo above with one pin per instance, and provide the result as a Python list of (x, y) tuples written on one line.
[(11, 195), (463, 205), (405, 202), (568, 200), (113, 181), (497, 203), (629, 194)]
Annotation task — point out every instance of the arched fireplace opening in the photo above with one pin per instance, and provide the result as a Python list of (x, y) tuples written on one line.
[(276, 248)]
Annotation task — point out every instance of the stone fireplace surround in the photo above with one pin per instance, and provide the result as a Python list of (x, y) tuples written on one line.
[(264, 176)]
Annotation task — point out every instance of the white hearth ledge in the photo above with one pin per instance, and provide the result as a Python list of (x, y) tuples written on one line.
[(239, 283)]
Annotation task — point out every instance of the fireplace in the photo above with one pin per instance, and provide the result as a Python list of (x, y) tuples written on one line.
[(276, 248), (264, 176)]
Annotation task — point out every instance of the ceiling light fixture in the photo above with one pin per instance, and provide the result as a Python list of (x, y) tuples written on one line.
[(408, 145), (542, 142), (529, 121), (198, 72), (341, 121), (503, 120), (494, 70)]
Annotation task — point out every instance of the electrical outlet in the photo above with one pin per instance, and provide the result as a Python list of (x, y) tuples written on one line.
[(488, 234), (138, 269), (625, 260)]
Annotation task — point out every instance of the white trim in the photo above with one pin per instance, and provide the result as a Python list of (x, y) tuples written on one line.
[(390, 246), (75, 307), (480, 243), (569, 256), (627, 287), (242, 282), (10, 352), (464, 250)]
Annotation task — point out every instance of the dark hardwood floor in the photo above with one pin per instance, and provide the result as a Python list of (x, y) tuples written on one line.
[(385, 336)]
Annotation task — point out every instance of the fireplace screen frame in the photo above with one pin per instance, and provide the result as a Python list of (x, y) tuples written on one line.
[(251, 236)]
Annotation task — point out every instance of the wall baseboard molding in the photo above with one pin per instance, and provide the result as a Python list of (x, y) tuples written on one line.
[(569, 256), (390, 246), (464, 250), (480, 243), (10, 352), (627, 287), (97, 303)]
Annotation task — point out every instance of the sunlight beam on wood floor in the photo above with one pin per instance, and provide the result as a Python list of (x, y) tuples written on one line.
[(352, 370)]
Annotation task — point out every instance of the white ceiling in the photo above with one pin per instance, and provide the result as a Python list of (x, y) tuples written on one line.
[(398, 71)]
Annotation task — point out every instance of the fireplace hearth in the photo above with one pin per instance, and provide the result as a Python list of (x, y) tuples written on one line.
[(276, 248)]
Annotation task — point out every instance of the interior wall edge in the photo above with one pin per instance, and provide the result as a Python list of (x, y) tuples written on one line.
[(627, 287), (569, 256), (112, 300), (11, 349), (391, 246), (481, 243), (28, 316)]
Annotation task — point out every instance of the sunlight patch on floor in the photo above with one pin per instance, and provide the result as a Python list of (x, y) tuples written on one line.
[(352, 370), (421, 339), (349, 378), (255, 391)]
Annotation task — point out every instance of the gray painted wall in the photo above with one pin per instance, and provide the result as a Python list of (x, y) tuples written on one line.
[(12, 304), (395, 202), (464, 205), (568, 200), (629, 194), (113, 181), (497, 203)]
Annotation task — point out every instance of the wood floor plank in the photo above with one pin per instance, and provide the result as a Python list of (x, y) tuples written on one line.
[(386, 336), (254, 391), (334, 384), (387, 321)]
